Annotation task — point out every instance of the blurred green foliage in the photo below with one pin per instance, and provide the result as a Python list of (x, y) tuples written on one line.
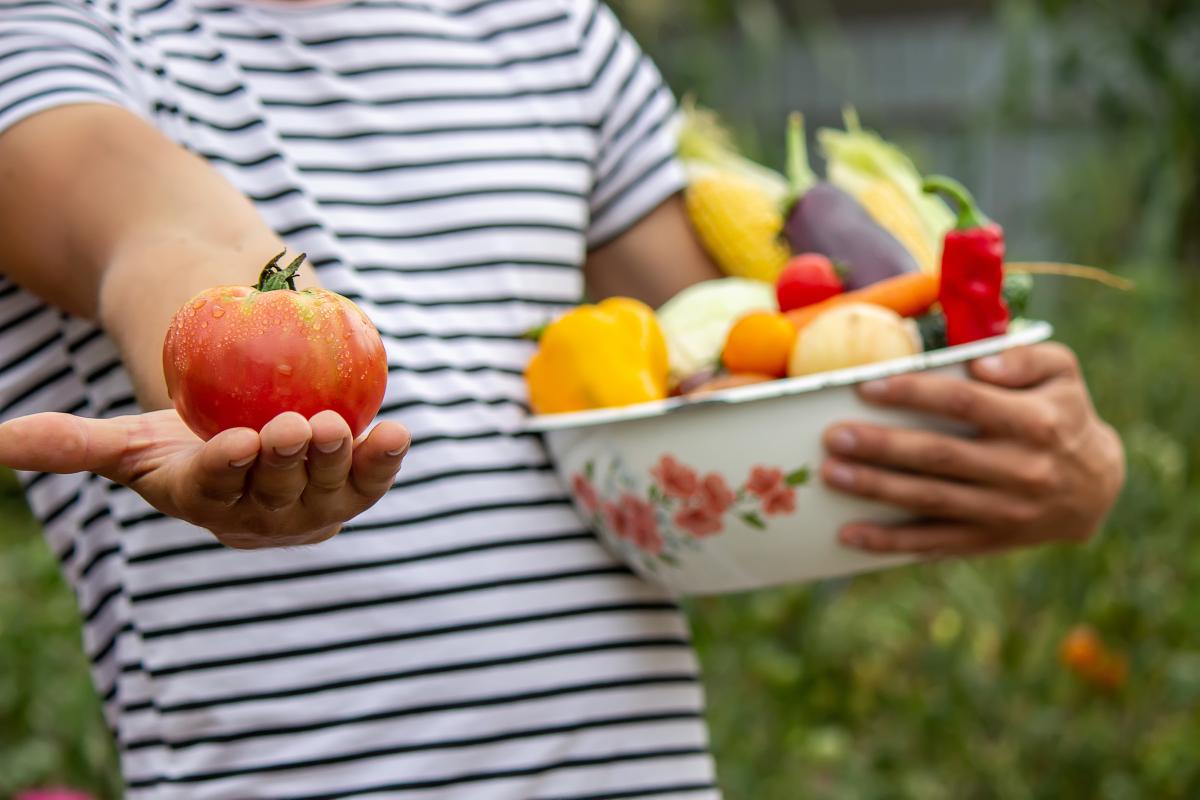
[(51, 730), (1135, 70), (937, 681)]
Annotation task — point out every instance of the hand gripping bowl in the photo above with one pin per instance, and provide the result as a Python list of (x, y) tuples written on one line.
[(719, 494)]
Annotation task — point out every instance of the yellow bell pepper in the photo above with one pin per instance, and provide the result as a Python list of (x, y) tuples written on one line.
[(599, 356)]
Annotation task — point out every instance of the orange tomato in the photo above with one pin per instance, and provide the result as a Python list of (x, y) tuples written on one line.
[(759, 342), (1081, 649), (1086, 655)]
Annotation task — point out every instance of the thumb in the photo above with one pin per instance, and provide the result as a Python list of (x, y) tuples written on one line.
[(53, 442)]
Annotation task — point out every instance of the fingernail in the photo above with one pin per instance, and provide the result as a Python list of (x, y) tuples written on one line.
[(288, 452), (840, 475), (329, 447), (242, 462), (992, 365), (394, 453), (843, 440), (874, 388), (853, 537)]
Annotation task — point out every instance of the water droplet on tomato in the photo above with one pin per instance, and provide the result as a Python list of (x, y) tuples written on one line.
[(284, 369), (199, 304), (218, 312)]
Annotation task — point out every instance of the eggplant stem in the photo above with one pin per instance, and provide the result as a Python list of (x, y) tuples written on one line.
[(799, 170)]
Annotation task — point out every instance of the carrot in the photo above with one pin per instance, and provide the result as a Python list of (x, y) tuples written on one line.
[(909, 295)]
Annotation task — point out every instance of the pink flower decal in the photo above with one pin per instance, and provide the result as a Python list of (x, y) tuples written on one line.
[(675, 479), (586, 493), (699, 521), (780, 501), (664, 520), (765, 481), (635, 520), (716, 494), (613, 518)]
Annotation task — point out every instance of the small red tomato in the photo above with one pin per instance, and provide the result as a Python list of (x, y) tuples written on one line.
[(238, 356), (808, 278)]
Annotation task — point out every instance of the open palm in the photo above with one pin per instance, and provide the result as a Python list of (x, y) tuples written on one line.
[(295, 482)]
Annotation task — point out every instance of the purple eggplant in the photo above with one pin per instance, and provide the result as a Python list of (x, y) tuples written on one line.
[(827, 220)]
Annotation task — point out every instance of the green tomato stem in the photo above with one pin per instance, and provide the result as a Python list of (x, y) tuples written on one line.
[(274, 277)]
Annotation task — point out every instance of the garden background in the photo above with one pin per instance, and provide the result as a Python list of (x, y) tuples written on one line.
[(1076, 123)]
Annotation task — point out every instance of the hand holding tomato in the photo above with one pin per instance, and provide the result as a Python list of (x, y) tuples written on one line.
[(272, 389), (293, 483)]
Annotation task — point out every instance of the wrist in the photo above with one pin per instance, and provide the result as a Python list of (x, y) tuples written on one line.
[(143, 287)]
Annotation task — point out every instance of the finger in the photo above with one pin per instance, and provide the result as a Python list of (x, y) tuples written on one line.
[(989, 463), (930, 497), (52, 442), (377, 459), (278, 477), (217, 474), (329, 454), (989, 409), (1025, 367), (936, 538)]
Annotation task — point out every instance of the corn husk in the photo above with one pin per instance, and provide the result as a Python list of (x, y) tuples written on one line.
[(706, 147)]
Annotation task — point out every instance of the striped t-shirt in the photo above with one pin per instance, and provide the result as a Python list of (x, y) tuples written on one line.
[(446, 164)]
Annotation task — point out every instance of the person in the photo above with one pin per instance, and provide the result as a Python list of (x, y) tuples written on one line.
[(461, 169)]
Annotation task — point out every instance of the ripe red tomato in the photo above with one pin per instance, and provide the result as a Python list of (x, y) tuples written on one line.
[(237, 356), (808, 278)]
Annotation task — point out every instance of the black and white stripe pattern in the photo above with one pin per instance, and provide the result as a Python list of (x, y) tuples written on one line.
[(446, 164)]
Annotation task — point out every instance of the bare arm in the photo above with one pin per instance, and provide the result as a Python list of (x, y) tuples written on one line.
[(653, 261), (103, 217)]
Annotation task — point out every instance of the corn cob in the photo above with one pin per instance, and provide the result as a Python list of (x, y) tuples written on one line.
[(888, 206), (735, 205), (739, 225)]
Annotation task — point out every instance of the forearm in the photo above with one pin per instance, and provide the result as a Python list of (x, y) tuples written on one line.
[(105, 218)]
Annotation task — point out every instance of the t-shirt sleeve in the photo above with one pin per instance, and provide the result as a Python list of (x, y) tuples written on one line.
[(57, 52), (636, 117)]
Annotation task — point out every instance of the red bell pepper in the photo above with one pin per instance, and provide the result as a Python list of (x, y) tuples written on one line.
[(972, 281)]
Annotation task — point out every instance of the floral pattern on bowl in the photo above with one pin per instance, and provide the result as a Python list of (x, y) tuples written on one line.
[(659, 520)]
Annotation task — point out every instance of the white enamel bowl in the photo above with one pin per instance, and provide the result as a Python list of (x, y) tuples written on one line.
[(719, 494)]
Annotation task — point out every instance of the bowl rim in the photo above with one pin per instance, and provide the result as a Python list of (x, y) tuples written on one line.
[(1026, 332)]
